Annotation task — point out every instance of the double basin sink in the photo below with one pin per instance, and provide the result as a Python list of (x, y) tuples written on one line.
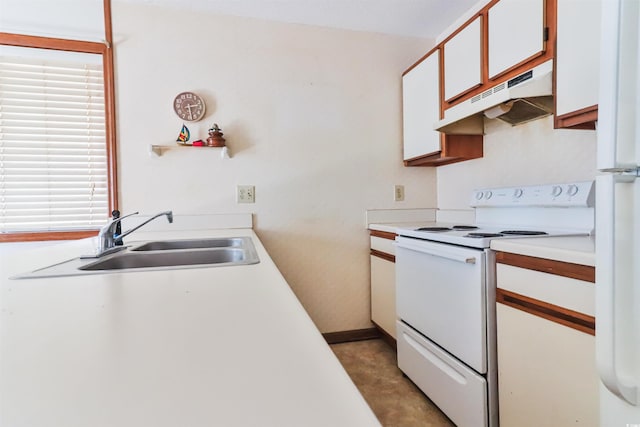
[(159, 255)]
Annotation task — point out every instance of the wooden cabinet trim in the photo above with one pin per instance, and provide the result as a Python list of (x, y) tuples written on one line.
[(572, 319), (547, 54), (584, 118), (455, 148), (559, 268), (383, 234), (383, 255), (522, 65), (425, 56), (50, 235)]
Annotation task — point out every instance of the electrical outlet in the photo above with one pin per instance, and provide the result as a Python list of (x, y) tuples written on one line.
[(245, 194), (398, 193)]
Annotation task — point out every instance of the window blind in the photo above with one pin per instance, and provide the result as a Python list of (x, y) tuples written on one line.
[(53, 160)]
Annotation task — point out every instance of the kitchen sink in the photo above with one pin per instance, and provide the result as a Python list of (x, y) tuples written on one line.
[(158, 255), (169, 258), (163, 245)]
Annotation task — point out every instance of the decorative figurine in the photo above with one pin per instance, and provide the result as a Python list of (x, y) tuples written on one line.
[(184, 134), (215, 137)]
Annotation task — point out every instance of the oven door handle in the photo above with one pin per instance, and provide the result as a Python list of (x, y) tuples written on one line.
[(441, 252)]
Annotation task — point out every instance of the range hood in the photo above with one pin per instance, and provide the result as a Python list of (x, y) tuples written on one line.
[(519, 100)]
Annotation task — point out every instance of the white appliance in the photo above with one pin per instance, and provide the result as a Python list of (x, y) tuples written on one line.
[(445, 292), (618, 216)]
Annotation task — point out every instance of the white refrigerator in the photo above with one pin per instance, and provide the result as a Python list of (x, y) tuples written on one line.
[(618, 216)]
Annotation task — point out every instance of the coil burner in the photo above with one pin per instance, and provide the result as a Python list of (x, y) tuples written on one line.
[(523, 233)]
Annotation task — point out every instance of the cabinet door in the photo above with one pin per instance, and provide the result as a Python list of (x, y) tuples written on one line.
[(462, 61), (516, 33), (577, 55), (421, 108), (546, 372), (383, 294)]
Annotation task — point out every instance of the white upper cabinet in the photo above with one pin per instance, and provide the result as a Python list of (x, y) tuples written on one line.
[(577, 55), (421, 107), (463, 60), (516, 33)]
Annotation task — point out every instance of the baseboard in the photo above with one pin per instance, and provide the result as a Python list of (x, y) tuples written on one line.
[(386, 337), (352, 335)]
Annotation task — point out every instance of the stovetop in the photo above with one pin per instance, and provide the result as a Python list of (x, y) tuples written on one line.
[(514, 212), (480, 235)]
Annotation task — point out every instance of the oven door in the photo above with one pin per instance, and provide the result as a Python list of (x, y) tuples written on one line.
[(440, 292)]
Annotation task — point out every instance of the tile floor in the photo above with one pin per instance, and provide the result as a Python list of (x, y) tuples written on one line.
[(395, 400)]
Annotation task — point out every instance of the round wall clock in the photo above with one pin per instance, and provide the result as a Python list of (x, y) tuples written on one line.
[(189, 106)]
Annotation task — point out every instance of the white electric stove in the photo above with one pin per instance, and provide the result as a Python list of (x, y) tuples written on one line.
[(445, 291), (515, 212)]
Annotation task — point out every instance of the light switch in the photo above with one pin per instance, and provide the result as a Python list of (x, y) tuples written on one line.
[(398, 193)]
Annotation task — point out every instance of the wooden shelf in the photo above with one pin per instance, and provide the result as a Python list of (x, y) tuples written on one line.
[(455, 148)]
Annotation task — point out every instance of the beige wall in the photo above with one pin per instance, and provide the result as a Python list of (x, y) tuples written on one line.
[(528, 154), (312, 117)]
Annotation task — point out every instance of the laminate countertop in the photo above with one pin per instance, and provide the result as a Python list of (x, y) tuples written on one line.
[(392, 227), (220, 346), (571, 249)]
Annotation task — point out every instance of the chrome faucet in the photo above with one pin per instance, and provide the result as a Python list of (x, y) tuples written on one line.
[(108, 238)]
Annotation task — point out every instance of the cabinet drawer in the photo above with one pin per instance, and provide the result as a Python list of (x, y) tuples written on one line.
[(573, 294), (383, 245)]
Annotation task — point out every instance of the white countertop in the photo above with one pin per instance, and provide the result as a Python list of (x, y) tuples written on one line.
[(391, 227), (574, 249), (220, 346)]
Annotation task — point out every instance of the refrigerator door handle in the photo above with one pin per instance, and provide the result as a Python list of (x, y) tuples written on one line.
[(610, 290)]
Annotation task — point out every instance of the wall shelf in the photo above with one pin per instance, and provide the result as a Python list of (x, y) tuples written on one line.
[(157, 150)]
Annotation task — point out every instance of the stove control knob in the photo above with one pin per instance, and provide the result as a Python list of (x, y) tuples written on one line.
[(556, 191), (488, 194), (573, 190), (479, 195), (517, 193)]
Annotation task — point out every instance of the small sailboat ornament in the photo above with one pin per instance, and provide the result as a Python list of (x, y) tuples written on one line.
[(184, 134)]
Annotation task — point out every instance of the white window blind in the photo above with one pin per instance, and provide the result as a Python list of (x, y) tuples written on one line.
[(53, 163)]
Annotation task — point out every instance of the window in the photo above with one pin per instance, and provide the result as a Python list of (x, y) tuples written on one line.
[(57, 163)]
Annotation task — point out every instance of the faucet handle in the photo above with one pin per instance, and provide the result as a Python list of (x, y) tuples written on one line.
[(114, 222), (119, 218), (115, 214)]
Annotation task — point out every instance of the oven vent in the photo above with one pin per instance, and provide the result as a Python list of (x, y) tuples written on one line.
[(521, 99)]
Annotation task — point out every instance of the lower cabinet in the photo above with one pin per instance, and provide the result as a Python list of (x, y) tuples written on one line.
[(383, 283), (546, 344)]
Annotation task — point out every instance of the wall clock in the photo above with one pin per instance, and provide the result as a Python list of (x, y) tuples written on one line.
[(189, 106)]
